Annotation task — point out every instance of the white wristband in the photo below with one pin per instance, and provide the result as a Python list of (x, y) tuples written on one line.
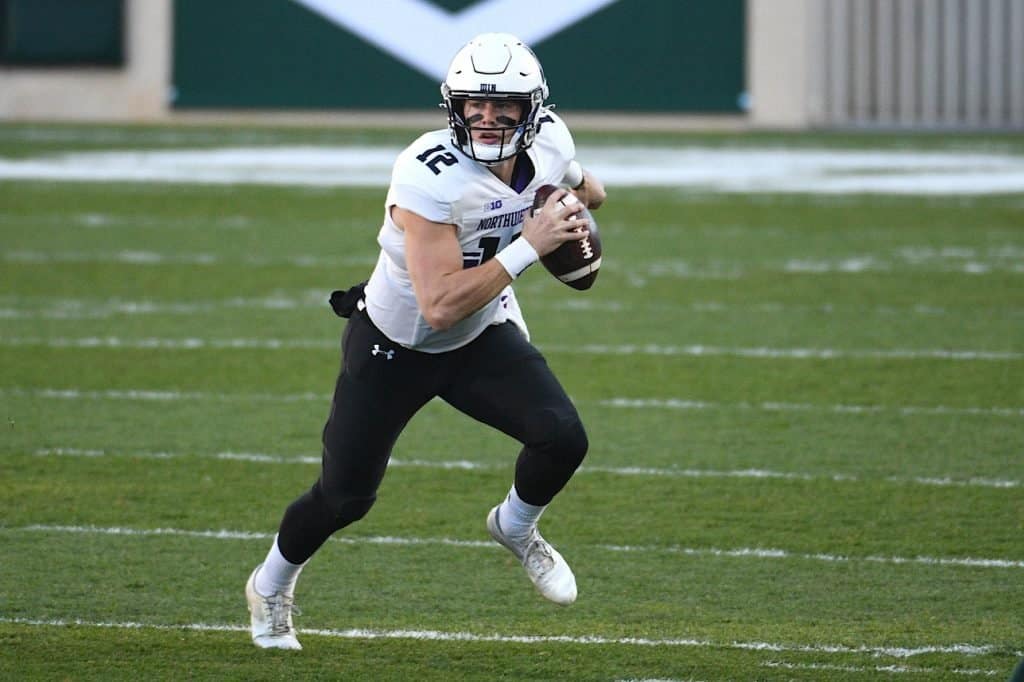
[(573, 174), (517, 256)]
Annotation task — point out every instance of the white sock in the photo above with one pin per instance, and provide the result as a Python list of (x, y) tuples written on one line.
[(277, 574), (516, 517)]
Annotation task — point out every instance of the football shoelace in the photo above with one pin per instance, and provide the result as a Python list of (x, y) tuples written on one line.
[(281, 608), (539, 558)]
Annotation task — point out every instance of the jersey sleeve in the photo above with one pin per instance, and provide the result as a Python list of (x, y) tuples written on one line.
[(559, 137), (415, 187), (421, 202)]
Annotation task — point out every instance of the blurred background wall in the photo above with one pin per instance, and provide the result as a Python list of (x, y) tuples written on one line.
[(84, 59), (919, 64)]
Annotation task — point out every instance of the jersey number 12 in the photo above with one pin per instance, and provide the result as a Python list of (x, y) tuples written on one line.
[(437, 155)]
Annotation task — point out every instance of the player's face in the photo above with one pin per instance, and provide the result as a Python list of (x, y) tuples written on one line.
[(487, 117)]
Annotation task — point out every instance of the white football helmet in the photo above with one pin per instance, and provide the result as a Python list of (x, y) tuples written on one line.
[(494, 66)]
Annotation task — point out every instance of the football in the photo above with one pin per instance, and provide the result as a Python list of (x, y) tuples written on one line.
[(576, 262)]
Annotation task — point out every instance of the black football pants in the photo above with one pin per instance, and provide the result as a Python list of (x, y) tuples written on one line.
[(499, 379)]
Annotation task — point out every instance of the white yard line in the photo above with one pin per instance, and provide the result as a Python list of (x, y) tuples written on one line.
[(787, 353), (161, 396), (84, 309), (898, 653), (890, 669), (45, 307), (682, 404), (122, 220), (191, 343), (195, 343), (138, 257), (466, 465), (615, 403), (1003, 260), (606, 306), (735, 553)]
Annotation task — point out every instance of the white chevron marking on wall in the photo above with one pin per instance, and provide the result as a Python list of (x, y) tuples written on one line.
[(426, 37)]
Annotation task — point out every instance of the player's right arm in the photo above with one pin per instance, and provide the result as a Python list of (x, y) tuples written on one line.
[(446, 292)]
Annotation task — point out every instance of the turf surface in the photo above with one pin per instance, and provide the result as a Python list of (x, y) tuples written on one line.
[(806, 415)]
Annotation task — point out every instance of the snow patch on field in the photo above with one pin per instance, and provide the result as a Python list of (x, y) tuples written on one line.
[(816, 171)]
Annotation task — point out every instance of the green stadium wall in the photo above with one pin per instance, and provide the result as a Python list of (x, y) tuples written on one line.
[(629, 55)]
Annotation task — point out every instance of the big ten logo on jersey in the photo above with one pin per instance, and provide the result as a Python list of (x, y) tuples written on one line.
[(492, 205)]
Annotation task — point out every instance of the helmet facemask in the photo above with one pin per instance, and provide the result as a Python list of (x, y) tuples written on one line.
[(512, 135)]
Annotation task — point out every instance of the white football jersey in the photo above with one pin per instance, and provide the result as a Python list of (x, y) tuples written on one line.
[(432, 178)]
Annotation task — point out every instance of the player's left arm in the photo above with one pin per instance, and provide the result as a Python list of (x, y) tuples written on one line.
[(585, 185), (591, 192)]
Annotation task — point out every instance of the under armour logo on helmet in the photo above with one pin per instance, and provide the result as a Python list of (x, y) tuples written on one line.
[(377, 350)]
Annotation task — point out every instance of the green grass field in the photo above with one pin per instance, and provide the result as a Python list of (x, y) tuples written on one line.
[(806, 416)]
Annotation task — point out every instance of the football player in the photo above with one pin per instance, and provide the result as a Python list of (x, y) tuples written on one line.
[(438, 318)]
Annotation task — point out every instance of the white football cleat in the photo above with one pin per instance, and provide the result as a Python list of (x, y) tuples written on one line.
[(271, 617), (547, 569)]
